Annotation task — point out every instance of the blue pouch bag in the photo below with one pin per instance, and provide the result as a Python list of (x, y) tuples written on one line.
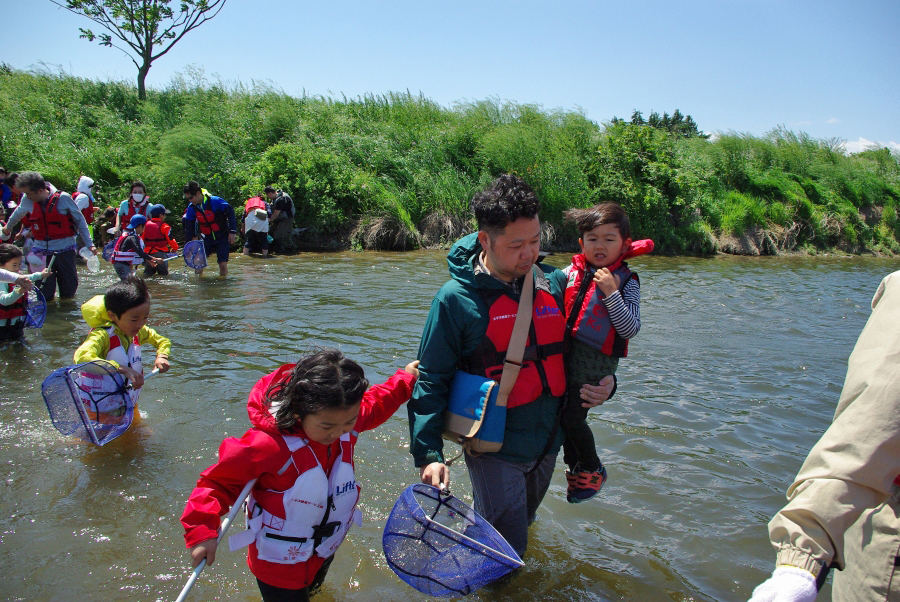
[(476, 409), (473, 418)]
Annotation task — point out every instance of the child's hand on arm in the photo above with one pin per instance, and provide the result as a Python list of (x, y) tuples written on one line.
[(46, 273), (607, 282), (204, 549), (161, 364), (412, 368), (136, 378)]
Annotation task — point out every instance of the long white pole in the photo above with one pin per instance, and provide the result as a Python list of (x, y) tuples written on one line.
[(225, 524)]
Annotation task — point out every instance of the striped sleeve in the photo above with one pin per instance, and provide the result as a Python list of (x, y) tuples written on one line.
[(625, 309)]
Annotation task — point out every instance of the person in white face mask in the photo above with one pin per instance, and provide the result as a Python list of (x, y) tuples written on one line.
[(137, 203)]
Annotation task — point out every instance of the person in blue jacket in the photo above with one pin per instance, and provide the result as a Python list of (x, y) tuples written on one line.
[(212, 219)]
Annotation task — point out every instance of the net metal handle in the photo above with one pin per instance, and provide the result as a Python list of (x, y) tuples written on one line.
[(478, 544), (225, 524)]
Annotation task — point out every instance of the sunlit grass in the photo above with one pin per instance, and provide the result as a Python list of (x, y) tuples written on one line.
[(402, 168)]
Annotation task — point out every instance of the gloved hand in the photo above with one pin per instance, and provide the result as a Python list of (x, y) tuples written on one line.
[(787, 584)]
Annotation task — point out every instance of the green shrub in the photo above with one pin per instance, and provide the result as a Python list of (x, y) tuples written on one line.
[(387, 164)]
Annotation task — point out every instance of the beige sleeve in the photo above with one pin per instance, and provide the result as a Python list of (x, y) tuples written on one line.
[(853, 466)]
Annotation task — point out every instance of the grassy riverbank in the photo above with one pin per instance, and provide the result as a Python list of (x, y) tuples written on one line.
[(396, 171)]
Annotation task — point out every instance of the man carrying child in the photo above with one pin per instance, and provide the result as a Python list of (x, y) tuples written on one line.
[(464, 330)]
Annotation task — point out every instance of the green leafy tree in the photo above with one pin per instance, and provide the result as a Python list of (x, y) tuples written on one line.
[(143, 29)]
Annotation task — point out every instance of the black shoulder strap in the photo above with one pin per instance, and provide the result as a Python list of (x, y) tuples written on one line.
[(576, 306)]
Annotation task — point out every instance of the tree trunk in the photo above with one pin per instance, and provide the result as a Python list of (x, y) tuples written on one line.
[(142, 75)]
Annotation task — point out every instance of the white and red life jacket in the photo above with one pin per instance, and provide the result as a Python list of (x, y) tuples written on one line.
[(312, 516), (131, 257), (93, 386)]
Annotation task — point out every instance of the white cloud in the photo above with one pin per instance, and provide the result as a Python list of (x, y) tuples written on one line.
[(862, 144), (832, 120)]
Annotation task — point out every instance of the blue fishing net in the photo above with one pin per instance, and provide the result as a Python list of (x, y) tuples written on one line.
[(441, 547), (35, 309), (89, 401), (195, 254), (108, 250)]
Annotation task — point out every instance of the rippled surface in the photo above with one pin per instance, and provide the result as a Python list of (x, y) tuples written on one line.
[(734, 376)]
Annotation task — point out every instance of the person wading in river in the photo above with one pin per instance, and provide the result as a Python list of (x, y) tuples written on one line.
[(54, 221), (282, 219), (212, 218), (488, 269)]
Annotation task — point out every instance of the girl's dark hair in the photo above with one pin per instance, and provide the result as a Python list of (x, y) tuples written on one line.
[(598, 215), (9, 252), (135, 184), (125, 295), (323, 380)]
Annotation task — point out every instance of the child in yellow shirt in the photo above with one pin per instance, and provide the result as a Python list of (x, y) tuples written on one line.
[(118, 321)]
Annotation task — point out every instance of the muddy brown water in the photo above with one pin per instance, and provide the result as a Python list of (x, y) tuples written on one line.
[(733, 377)]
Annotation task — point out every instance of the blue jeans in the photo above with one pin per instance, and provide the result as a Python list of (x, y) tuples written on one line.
[(507, 495)]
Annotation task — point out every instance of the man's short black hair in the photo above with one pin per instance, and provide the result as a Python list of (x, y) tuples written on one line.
[(192, 188), (269, 189), (126, 295), (507, 199)]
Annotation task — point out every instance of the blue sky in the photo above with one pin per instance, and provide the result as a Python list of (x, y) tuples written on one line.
[(827, 68)]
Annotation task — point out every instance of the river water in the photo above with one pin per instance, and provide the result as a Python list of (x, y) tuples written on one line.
[(733, 377)]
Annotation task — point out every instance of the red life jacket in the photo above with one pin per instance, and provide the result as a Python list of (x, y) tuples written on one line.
[(542, 365), (47, 223), (253, 204), (16, 308), (87, 212), (133, 208), (593, 325), (154, 239), (207, 219)]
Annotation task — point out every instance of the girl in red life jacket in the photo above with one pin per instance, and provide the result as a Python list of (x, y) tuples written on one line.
[(306, 418), (13, 299)]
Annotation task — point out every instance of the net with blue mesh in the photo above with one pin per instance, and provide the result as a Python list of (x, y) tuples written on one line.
[(109, 249), (35, 309), (89, 401), (441, 547), (195, 254)]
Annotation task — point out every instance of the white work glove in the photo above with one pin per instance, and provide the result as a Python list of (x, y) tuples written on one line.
[(787, 584)]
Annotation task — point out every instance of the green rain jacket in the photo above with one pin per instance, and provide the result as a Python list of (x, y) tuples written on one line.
[(455, 326)]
